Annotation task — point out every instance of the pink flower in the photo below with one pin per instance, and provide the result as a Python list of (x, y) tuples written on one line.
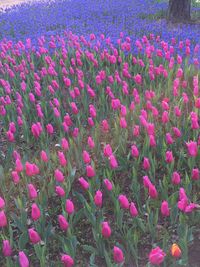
[(107, 150), (152, 191), (105, 126), (169, 157), (69, 206), (118, 255), (108, 184), (43, 156), (195, 174), (124, 203), (192, 148), (64, 144), (156, 256), (34, 236), (15, 177), (32, 191), (85, 185), (123, 123), (90, 171), (59, 176), (98, 199), (3, 219), (134, 151), (86, 157), (35, 212), (2, 203), (113, 162), (105, 229), (165, 208), (165, 117), (90, 142), (49, 128), (146, 181), (64, 225), (176, 179), (169, 139), (18, 166), (6, 248), (67, 260), (60, 191), (62, 159), (138, 79), (133, 210), (146, 164), (23, 260)]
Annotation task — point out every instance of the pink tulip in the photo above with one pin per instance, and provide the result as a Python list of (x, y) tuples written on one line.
[(59, 176), (15, 177), (90, 171), (18, 166), (67, 260), (64, 225), (98, 199), (6, 248), (85, 185), (35, 212), (169, 157), (156, 256), (146, 164), (105, 230), (134, 151), (165, 208), (86, 157), (69, 206), (118, 255), (90, 142), (43, 156), (107, 150), (152, 191), (2, 203), (124, 203), (23, 260), (60, 191), (176, 179), (195, 174), (34, 236), (3, 219), (108, 184), (62, 159), (192, 148), (64, 144), (133, 210), (113, 162), (32, 191)]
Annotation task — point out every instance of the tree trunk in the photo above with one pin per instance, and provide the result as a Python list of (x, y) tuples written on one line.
[(179, 10)]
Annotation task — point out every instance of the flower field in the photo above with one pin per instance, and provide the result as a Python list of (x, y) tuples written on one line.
[(99, 149)]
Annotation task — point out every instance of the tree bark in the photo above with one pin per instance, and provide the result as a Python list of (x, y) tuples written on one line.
[(179, 10)]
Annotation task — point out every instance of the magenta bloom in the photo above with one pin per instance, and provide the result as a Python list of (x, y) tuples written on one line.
[(105, 229), (108, 184), (6, 248), (59, 176), (98, 199), (124, 203), (32, 191), (156, 256), (165, 208), (133, 210), (34, 236), (90, 171), (67, 260), (113, 162), (134, 151), (169, 157), (85, 185), (69, 206), (23, 260), (60, 191), (35, 212), (2, 203), (107, 151), (118, 255), (192, 148), (3, 219), (64, 225), (86, 157)]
